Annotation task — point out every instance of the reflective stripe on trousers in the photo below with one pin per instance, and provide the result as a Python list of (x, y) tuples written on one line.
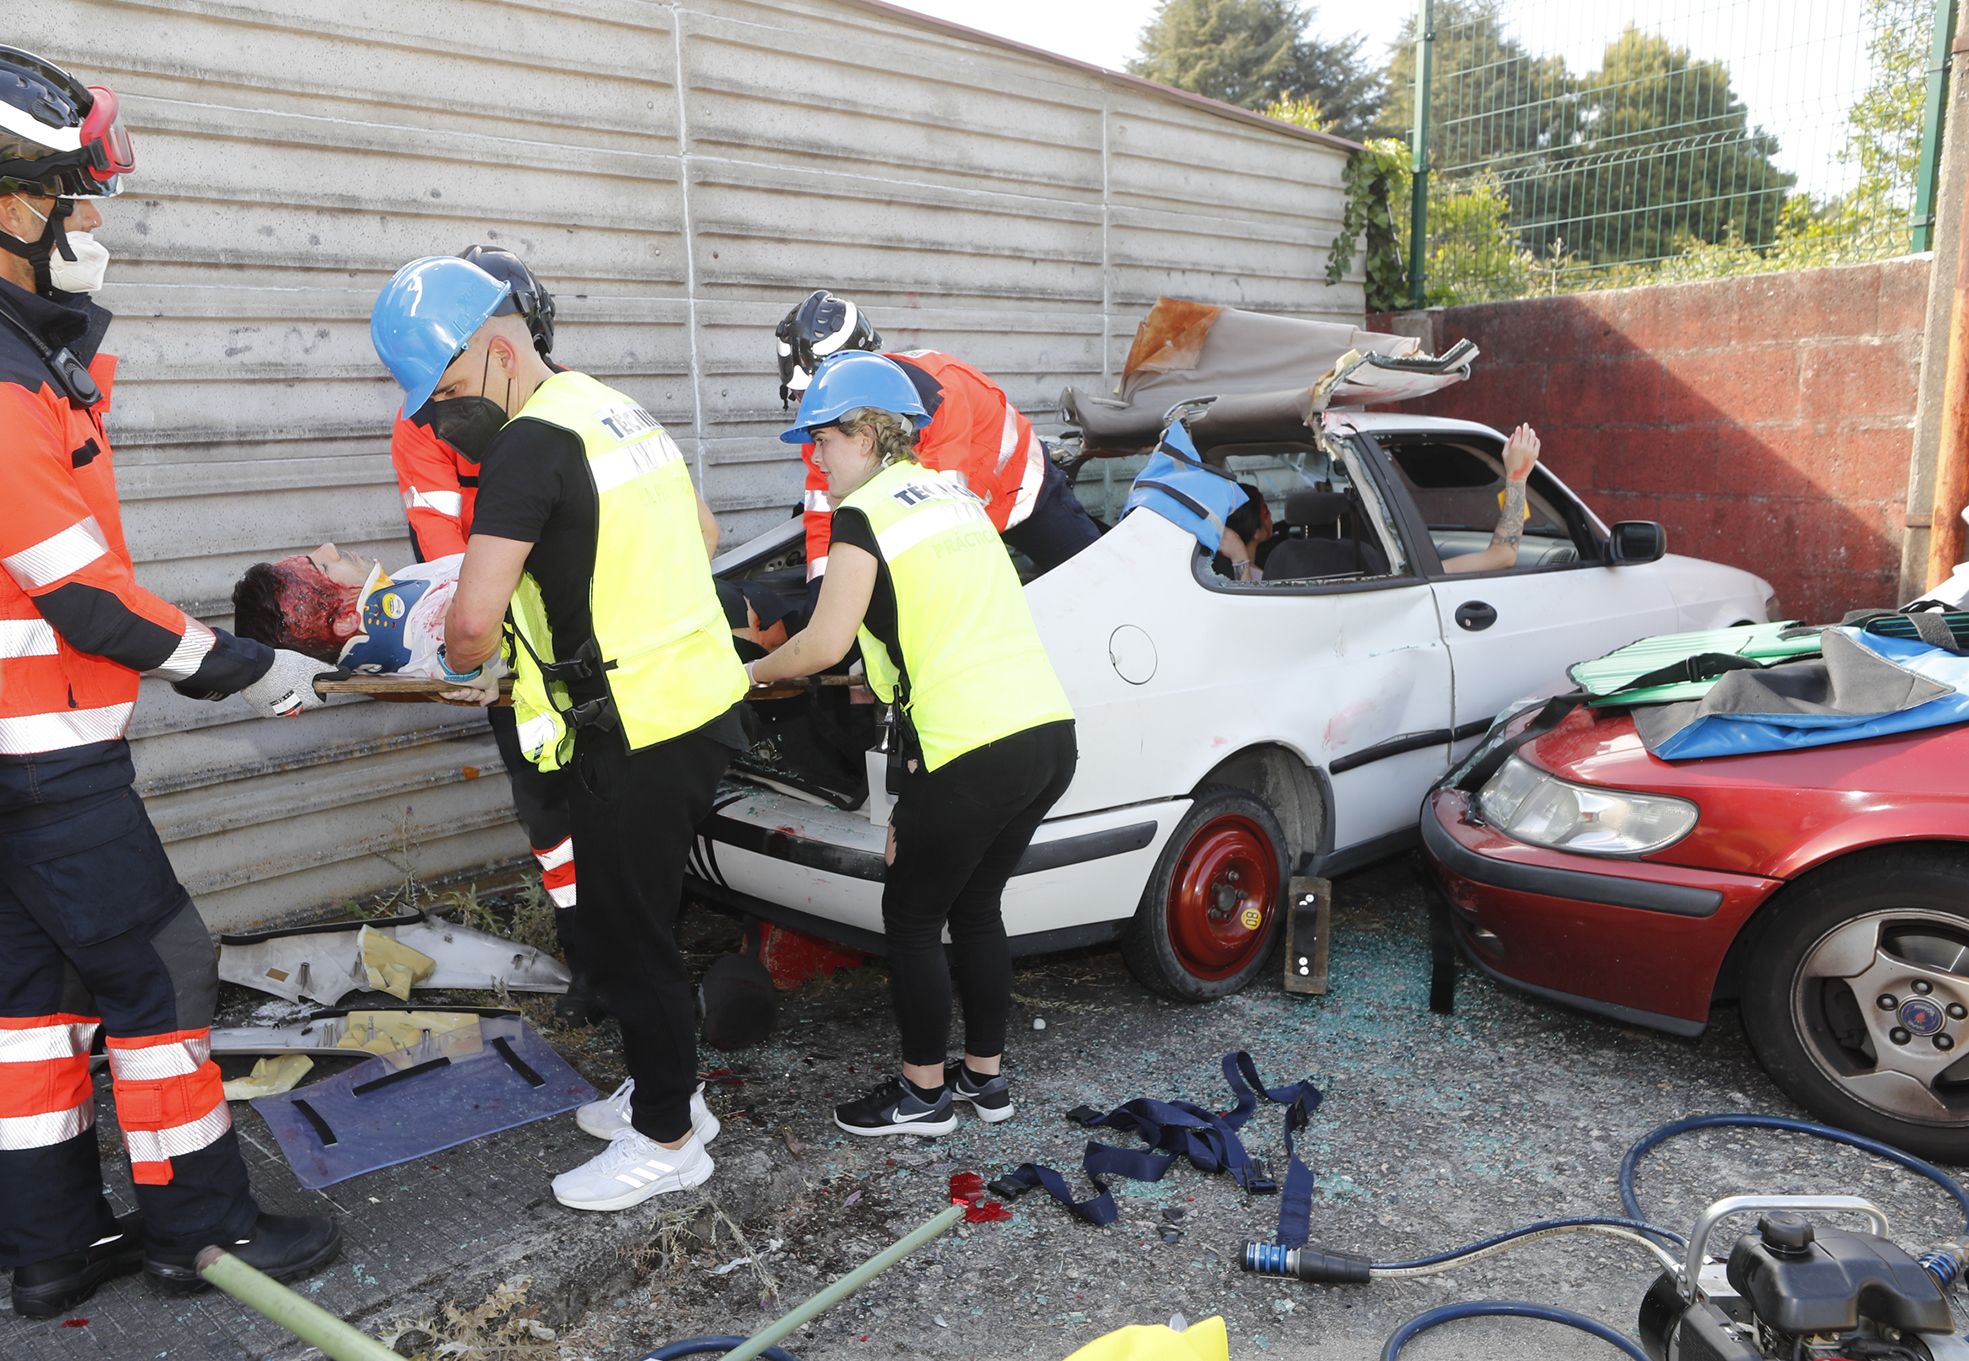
[(46, 1097), (170, 1100), (557, 871)]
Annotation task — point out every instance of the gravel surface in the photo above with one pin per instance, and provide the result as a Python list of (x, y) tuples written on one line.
[(1434, 1131)]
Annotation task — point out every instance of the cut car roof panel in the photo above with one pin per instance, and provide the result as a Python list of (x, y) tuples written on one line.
[(1264, 374)]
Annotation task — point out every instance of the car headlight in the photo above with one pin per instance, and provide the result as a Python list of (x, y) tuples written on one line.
[(1530, 805)]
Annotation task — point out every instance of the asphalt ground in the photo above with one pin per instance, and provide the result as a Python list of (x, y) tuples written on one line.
[(1434, 1131)]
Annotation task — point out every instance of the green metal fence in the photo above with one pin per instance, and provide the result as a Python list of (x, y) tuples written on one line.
[(1567, 144)]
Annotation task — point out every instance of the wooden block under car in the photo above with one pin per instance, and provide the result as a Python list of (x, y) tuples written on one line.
[(1308, 922)]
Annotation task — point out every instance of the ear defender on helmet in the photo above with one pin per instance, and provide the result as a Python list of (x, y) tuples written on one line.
[(821, 325), (530, 298)]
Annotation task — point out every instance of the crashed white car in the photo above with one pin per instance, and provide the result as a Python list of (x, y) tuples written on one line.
[(1234, 734)]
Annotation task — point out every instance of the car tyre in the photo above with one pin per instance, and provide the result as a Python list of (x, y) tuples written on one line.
[(1856, 999), (1211, 916)]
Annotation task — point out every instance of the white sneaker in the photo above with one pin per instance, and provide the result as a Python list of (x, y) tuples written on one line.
[(631, 1170), (610, 1116)]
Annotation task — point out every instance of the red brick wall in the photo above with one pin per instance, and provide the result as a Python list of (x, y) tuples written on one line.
[(1766, 421)]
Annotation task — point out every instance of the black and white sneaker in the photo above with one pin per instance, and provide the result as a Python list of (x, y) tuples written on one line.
[(991, 1099), (893, 1108)]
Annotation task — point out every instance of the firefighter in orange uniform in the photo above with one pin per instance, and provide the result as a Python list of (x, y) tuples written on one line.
[(974, 431), (95, 930)]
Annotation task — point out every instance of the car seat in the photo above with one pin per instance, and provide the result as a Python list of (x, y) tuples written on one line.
[(1315, 547)]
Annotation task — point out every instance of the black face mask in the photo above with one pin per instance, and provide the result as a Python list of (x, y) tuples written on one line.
[(467, 424)]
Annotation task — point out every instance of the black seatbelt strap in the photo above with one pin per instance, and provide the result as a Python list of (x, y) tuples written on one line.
[(1209, 1140)]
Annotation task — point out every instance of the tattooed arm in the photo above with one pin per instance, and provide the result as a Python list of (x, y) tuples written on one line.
[(1520, 456)]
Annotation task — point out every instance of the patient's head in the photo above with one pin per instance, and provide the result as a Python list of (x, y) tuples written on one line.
[(1252, 521), (309, 602)]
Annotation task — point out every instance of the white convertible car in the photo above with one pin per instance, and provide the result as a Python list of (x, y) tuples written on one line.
[(1234, 734)]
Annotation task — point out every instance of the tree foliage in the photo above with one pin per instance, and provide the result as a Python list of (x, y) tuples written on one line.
[(1473, 255), (1255, 53), (1492, 100), (1664, 151), (1883, 130)]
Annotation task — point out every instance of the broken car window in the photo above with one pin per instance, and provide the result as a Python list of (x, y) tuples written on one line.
[(1458, 486)]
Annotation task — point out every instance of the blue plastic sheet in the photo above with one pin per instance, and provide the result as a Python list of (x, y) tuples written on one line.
[(456, 1087), (1743, 732)]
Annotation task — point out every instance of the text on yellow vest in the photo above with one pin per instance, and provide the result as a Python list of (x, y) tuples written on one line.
[(664, 646)]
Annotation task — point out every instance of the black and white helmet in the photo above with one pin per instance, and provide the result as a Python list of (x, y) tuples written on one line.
[(58, 137), (818, 327), (530, 297)]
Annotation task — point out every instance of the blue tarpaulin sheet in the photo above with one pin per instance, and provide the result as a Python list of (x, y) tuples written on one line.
[(1865, 686)]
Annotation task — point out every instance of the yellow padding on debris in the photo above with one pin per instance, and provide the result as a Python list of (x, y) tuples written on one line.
[(393, 967), (270, 1077), (386, 1032), (1205, 1340)]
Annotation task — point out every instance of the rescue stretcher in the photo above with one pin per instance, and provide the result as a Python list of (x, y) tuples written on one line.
[(419, 689)]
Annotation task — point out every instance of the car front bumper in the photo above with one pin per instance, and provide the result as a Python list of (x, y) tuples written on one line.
[(1633, 939)]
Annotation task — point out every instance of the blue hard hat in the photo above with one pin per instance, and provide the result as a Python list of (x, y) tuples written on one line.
[(426, 315), (849, 381)]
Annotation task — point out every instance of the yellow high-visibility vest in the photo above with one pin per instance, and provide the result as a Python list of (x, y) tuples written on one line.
[(976, 669), (662, 646)]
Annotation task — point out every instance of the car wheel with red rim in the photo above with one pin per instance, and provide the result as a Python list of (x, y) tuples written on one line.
[(1210, 917), (1856, 998)]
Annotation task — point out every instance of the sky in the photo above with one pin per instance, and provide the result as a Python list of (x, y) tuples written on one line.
[(1797, 64)]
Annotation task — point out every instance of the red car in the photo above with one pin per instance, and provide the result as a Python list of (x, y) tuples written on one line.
[(1825, 890)]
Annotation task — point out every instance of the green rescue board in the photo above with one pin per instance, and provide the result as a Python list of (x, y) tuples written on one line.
[(1605, 678)]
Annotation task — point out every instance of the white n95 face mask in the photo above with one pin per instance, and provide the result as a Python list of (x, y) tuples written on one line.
[(83, 274)]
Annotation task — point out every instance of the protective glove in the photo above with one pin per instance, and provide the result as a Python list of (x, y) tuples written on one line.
[(479, 686), (288, 687)]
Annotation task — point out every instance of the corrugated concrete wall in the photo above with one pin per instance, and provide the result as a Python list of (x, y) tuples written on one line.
[(681, 173), (1766, 421)]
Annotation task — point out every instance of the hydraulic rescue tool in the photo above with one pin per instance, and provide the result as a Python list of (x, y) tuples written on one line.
[(1795, 1289)]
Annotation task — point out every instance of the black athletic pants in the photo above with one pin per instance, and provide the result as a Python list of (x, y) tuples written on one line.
[(1058, 527), (960, 831), (635, 814)]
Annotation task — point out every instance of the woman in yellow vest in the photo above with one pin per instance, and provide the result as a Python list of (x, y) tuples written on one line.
[(917, 574)]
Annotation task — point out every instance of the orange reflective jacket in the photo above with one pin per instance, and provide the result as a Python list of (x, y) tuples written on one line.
[(439, 486), (976, 431), (76, 630)]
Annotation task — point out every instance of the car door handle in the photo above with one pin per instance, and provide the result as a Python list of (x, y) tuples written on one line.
[(1473, 616)]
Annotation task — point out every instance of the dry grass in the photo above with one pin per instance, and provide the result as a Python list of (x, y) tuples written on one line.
[(679, 1237), (502, 1327)]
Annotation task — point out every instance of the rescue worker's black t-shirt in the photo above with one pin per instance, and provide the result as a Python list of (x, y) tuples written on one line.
[(534, 486), (851, 527)]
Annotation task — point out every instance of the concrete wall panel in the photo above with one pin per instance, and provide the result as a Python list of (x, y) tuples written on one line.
[(679, 194)]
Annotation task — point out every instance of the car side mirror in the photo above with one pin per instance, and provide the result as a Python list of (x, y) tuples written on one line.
[(1635, 541)]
